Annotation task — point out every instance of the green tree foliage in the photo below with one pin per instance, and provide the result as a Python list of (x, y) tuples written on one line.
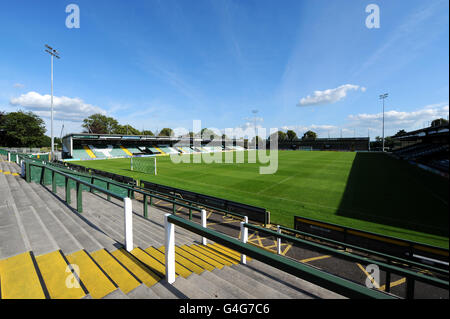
[(309, 135), (291, 135), (99, 124), (399, 133), (280, 135), (21, 129), (147, 132), (166, 132), (207, 133), (125, 129), (439, 122)]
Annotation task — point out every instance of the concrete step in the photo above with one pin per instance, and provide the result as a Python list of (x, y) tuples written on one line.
[(248, 284), (167, 291), (116, 294), (294, 286), (84, 234), (226, 285), (143, 292), (113, 216), (156, 216), (146, 231), (12, 242), (190, 289), (27, 213), (59, 232)]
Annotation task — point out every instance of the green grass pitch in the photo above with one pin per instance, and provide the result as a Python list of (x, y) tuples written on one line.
[(368, 191)]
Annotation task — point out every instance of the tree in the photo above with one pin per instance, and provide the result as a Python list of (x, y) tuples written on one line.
[(22, 129), (206, 133), (309, 135), (439, 122), (166, 132), (99, 124), (291, 135), (280, 135), (147, 132), (125, 129), (399, 133)]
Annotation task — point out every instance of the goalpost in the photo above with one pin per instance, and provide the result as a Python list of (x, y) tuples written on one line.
[(143, 164)]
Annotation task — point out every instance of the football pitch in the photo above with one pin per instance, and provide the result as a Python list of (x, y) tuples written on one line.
[(368, 191)]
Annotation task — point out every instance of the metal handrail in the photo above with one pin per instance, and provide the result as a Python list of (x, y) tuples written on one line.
[(77, 180), (328, 281), (372, 252), (347, 256)]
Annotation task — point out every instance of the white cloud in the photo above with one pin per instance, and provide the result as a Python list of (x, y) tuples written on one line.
[(329, 96), (401, 120), (64, 108)]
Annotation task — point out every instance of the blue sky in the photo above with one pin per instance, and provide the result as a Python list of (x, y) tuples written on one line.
[(302, 64)]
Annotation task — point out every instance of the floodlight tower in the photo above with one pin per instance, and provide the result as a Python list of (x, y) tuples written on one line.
[(53, 53), (382, 97)]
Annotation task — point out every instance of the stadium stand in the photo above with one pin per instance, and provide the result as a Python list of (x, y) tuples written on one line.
[(43, 234), (428, 146), (100, 146)]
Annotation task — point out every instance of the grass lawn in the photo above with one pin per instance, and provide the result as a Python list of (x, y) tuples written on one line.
[(368, 191)]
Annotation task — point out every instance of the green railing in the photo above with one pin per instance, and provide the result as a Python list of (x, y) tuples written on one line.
[(79, 183), (67, 177), (130, 191), (328, 281), (410, 275), (389, 258)]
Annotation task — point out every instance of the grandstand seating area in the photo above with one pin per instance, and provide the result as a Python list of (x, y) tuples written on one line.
[(42, 235), (432, 155), (89, 151)]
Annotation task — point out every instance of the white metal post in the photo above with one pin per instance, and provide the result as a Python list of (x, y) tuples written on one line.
[(9, 157), (278, 240), (128, 212), (204, 241), (244, 238), (170, 250)]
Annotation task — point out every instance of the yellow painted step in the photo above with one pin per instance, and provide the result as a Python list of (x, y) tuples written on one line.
[(184, 261), (88, 150), (217, 254), (126, 151), (91, 275), (213, 257), (225, 253), (179, 269), (144, 274), (160, 150), (201, 262), (59, 280), (231, 251), (19, 279), (115, 270), (153, 264)]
